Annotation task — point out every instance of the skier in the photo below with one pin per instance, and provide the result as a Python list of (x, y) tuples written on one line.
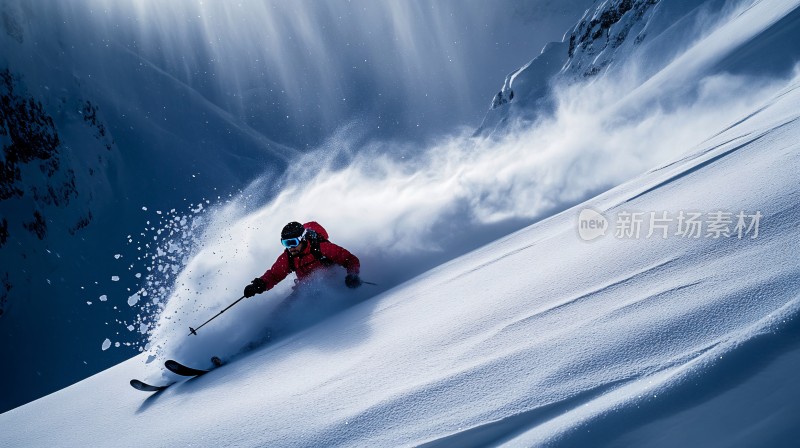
[(307, 251)]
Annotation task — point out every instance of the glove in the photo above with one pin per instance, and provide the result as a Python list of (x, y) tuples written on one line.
[(257, 286), (352, 281)]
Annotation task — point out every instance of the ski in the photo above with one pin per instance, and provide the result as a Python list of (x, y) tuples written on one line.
[(177, 368), (144, 387), (180, 369)]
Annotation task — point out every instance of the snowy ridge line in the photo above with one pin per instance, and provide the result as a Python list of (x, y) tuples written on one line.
[(564, 307), (695, 155), (525, 247), (609, 287), (745, 136), (701, 159), (625, 306), (698, 165)]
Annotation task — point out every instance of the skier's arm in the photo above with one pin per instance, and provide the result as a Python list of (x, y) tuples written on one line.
[(278, 271), (341, 256)]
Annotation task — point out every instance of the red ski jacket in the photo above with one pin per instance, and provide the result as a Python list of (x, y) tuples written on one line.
[(306, 263)]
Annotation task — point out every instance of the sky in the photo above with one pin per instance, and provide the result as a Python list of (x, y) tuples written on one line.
[(297, 71)]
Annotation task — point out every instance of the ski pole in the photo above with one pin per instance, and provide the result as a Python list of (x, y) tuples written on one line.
[(193, 331), (369, 283)]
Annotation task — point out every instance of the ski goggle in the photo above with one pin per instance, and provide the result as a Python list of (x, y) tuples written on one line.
[(291, 242)]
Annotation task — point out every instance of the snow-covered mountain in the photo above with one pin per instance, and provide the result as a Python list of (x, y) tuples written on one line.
[(658, 36), (661, 312)]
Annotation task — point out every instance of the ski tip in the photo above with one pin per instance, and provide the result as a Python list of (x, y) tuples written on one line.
[(144, 387), (180, 369)]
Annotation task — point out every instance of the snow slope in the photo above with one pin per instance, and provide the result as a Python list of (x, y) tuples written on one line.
[(538, 338)]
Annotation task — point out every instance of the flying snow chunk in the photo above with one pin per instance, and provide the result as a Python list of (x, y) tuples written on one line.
[(116, 256), (103, 298), (133, 300), (115, 278), (144, 208), (106, 344)]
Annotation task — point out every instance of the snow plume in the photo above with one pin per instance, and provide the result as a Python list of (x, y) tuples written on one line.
[(393, 199), (403, 209)]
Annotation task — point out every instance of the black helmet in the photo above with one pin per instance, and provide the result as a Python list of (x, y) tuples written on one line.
[(292, 230)]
